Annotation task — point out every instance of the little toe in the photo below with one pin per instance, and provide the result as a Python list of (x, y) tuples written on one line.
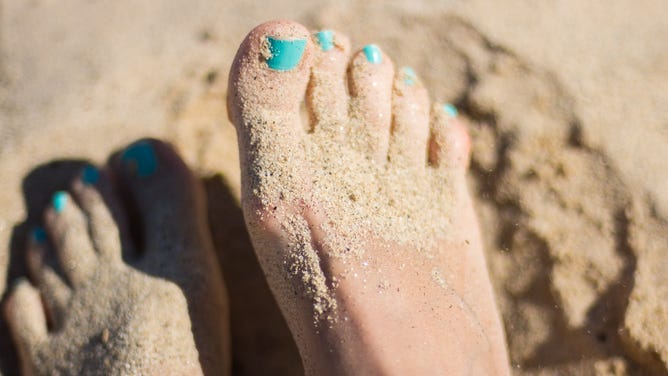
[(450, 144), (68, 230), (55, 292), (95, 195), (167, 197), (327, 94), (25, 318), (370, 82), (267, 85), (410, 121)]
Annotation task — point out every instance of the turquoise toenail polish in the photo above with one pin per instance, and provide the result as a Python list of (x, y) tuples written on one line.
[(59, 200), (450, 110), (325, 39), (409, 76), (140, 157), (38, 235), (372, 53), (90, 175), (285, 54)]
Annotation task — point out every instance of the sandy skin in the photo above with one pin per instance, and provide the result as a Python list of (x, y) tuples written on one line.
[(88, 311), (359, 212)]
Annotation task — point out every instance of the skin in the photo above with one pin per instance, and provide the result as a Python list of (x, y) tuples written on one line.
[(417, 326), (87, 310)]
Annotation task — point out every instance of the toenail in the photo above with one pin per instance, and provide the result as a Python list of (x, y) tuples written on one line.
[(59, 201), (409, 76), (450, 110), (140, 158), (38, 235), (285, 54), (90, 175), (372, 53), (325, 39)]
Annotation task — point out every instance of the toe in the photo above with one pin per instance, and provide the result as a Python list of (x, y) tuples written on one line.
[(271, 69), (410, 120), (169, 208), (165, 195), (450, 145), (55, 292), (327, 92), (370, 82), (267, 84), (25, 318), (95, 195), (68, 230)]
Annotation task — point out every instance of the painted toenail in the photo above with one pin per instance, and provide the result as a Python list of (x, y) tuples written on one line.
[(372, 53), (90, 175), (59, 200), (325, 39), (450, 110), (38, 235), (140, 158), (285, 54), (409, 76)]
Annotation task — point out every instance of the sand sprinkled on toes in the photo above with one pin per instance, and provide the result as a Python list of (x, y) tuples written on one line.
[(340, 198)]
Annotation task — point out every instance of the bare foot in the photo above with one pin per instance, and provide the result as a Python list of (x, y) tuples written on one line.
[(360, 215), (164, 314)]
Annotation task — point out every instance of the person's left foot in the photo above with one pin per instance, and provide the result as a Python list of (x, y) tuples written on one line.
[(360, 213), (89, 312)]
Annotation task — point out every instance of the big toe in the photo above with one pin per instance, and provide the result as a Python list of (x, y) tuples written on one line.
[(165, 201), (271, 68), (168, 210), (267, 86)]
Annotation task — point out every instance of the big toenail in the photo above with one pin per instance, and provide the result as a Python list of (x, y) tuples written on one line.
[(90, 175), (38, 235), (325, 39), (409, 76), (285, 54), (450, 110), (140, 158), (372, 53), (59, 200)]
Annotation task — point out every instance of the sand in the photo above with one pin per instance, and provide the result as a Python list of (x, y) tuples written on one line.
[(565, 105)]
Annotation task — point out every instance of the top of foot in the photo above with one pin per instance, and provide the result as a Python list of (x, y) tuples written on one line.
[(359, 211)]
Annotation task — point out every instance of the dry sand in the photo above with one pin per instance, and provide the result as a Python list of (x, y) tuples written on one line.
[(566, 102)]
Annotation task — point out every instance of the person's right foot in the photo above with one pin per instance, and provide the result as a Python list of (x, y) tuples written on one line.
[(164, 314), (361, 218)]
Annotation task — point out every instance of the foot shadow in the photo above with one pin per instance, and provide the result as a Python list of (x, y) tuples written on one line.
[(37, 188), (261, 341)]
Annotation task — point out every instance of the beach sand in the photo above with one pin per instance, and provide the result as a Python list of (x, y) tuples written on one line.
[(566, 104)]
